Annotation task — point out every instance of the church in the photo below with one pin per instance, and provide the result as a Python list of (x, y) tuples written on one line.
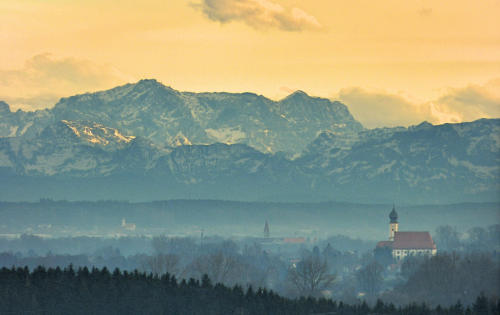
[(403, 244)]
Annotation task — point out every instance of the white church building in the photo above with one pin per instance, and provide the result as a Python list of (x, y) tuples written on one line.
[(403, 244)]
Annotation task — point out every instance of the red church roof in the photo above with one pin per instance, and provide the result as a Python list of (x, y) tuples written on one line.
[(409, 240), (413, 240)]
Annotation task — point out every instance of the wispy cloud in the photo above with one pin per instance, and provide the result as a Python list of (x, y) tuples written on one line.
[(378, 108), (45, 78), (425, 12), (259, 14), (471, 102)]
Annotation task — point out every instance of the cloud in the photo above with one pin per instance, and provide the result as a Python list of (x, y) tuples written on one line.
[(259, 14), (379, 108), (469, 103), (45, 78), (425, 12)]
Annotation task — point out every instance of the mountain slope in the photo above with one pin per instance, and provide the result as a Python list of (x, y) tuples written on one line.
[(151, 110), (14, 124), (147, 141), (424, 161), (419, 164), (84, 156)]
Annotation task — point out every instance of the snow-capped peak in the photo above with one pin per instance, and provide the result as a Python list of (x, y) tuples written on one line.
[(179, 140), (96, 133)]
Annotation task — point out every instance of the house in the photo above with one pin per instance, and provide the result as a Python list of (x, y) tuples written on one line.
[(128, 226), (403, 244)]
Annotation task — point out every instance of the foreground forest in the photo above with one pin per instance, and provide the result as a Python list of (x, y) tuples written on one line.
[(98, 291)]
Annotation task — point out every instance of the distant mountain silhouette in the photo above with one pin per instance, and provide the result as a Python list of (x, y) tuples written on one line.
[(147, 141)]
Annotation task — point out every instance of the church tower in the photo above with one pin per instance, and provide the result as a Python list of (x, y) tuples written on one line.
[(266, 230), (393, 225)]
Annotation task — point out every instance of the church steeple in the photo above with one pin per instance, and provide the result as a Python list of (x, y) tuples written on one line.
[(266, 230), (393, 215), (393, 224)]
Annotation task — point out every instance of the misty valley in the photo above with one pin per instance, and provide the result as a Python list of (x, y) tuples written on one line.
[(255, 246), (188, 218)]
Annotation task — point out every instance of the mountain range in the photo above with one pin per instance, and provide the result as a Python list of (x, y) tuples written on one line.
[(161, 114), (146, 141)]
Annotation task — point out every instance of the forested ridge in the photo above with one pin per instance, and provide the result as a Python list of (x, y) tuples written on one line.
[(99, 291)]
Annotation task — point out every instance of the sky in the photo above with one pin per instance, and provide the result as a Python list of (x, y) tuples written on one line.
[(391, 62)]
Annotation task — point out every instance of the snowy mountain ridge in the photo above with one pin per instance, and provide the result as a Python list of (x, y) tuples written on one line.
[(151, 110), (146, 140), (443, 163)]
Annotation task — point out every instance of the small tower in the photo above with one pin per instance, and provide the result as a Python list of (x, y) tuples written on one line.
[(266, 230), (393, 225)]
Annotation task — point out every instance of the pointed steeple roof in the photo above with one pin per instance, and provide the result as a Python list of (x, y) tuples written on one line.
[(393, 215)]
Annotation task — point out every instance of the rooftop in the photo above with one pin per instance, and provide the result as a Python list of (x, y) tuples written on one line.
[(413, 240), (409, 240)]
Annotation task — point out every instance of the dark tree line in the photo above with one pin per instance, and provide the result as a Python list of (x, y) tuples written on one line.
[(349, 277), (98, 291)]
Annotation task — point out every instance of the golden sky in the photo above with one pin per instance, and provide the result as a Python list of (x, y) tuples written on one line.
[(392, 62)]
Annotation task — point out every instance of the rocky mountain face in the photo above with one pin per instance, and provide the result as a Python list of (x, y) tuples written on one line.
[(145, 141), (29, 124), (419, 164), (85, 160), (424, 162), (165, 116)]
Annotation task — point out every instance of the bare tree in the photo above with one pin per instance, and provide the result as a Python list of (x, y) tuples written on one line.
[(370, 278), (161, 264), (311, 275), (447, 238), (220, 267), (478, 239)]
